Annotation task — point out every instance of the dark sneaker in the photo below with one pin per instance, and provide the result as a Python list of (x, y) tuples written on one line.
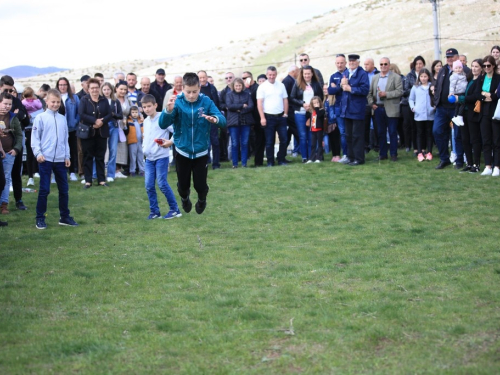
[(474, 169), (3, 223), (200, 206), (153, 216), (40, 224), (172, 214), (20, 206), (186, 204), (68, 221)]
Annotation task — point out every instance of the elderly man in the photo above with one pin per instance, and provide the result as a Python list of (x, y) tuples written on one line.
[(146, 89), (385, 94), (304, 61), (160, 85), (445, 111), (335, 88), (176, 90), (272, 102), (355, 87)]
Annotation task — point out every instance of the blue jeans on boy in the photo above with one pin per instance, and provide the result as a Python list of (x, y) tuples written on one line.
[(157, 171), (276, 124), (383, 123), (304, 135), (45, 169), (239, 136), (112, 148), (341, 126), (8, 163)]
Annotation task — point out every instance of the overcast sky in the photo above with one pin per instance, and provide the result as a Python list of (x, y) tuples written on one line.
[(77, 34)]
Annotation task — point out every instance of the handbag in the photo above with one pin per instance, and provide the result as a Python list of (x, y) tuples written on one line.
[(83, 131), (121, 135), (477, 106), (496, 115)]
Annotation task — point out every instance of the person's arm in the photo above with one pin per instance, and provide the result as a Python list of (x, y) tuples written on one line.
[(167, 117), (249, 105), (260, 108), (412, 98), (231, 105), (77, 103), (372, 94), (362, 87), (296, 99), (214, 113), (285, 107), (87, 119), (15, 124), (36, 137)]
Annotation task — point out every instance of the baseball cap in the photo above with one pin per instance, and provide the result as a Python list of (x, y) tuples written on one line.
[(160, 71), (450, 52)]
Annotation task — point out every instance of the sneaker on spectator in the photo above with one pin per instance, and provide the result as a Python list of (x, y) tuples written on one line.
[(309, 162), (53, 179), (453, 157), (40, 223), (120, 175), (83, 181), (31, 182), (496, 172), (294, 154), (428, 156), (172, 214), (36, 175), (420, 157), (474, 169), (154, 215), (317, 161), (487, 171), (344, 159), (11, 188), (68, 221), (110, 179), (72, 177)]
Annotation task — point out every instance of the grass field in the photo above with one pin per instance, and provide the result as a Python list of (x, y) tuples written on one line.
[(388, 268)]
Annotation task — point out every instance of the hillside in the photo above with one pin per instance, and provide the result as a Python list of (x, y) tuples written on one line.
[(398, 29), (24, 71)]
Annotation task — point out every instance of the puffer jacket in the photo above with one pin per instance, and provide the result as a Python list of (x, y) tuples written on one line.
[(237, 115)]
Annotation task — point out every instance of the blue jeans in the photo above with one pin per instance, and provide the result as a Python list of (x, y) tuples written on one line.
[(8, 163), (112, 147), (304, 135), (45, 169), (341, 126), (441, 131), (239, 136), (276, 124), (157, 171), (383, 123)]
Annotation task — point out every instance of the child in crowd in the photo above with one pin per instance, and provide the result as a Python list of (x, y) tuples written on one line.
[(134, 140), (458, 85), (420, 102), (316, 117), (49, 141), (12, 144), (156, 147), (34, 107), (191, 115), (331, 129)]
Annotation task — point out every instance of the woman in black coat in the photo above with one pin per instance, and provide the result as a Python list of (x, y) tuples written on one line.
[(94, 111), (239, 119), (305, 88)]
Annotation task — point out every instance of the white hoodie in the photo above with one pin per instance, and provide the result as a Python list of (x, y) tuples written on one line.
[(152, 151)]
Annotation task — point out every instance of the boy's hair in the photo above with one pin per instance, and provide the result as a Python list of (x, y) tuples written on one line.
[(28, 92), (45, 87), (6, 80), (54, 92), (6, 95), (190, 79), (100, 75), (311, 109), (148, 98), (237, 80), (134, 108)]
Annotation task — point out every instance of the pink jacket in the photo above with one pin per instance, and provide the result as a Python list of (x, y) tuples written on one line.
[(32, 105)]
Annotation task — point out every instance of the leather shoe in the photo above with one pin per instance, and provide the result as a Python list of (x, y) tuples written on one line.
[(459, 166), (443, 164), (355, 163), (394, 158)]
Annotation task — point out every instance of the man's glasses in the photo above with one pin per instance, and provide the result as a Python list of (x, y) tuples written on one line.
[(384, 64), (229, 78), (302, 60)]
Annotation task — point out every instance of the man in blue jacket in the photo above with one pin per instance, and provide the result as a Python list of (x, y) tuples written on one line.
[(355, 86), (334, 88)]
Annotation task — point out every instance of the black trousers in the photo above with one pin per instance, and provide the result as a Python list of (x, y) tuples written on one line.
[(31, 163), (334, 141), (368, 120), (17, 182), (223, 142), (490, 133), (409, 127), (198, 168), (471, 141), (292, 128), (424, 136), (94, 147), (73, 152), (260, 144), (355, 135)]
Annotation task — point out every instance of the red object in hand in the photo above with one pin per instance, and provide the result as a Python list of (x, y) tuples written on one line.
[(159, 141)]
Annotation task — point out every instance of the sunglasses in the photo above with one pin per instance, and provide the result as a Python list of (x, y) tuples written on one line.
[(487, 65), (229, 78), (302, 60), (10, 91), (383, 64)]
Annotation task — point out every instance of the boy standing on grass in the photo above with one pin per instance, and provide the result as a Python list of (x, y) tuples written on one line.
[(191, 114), (49, 140), (156, 148)]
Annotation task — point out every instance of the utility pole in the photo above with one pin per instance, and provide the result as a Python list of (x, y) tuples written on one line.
[(437, 44)]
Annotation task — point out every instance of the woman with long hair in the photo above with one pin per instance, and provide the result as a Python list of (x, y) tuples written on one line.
[(108, 91), (125, 104)]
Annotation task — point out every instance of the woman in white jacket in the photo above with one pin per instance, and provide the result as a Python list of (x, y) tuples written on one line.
[(421, 105)]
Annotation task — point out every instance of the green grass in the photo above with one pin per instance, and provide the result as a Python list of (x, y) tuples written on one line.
[(389, 268)]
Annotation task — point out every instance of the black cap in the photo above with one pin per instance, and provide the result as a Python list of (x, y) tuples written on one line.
[(450, 52), (161, 72), (85, 78), (353, 57)]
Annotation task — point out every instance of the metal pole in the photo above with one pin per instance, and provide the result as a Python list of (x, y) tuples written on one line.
[(437, 47)]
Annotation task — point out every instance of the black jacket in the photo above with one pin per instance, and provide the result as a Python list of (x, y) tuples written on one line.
[(22, 114), (222, 98), (89, 112), (210, 91), (158, 98), (297, 97), (161, 91), (442, 86), (495, 82), (236, 114), (472, 95)]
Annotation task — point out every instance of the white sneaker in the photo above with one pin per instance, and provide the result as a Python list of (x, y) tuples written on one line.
[(343, 159), (294, 154), (11, 189), (309, 162), (453, 157), (31, 182), (83, 181), (487, 171), (110, 179), (73, 177), (36, 175), (120, 175), (496, 172), (317, 161), (52, 180)]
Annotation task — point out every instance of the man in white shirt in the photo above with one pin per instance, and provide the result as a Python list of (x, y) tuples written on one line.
[(272, 103)]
